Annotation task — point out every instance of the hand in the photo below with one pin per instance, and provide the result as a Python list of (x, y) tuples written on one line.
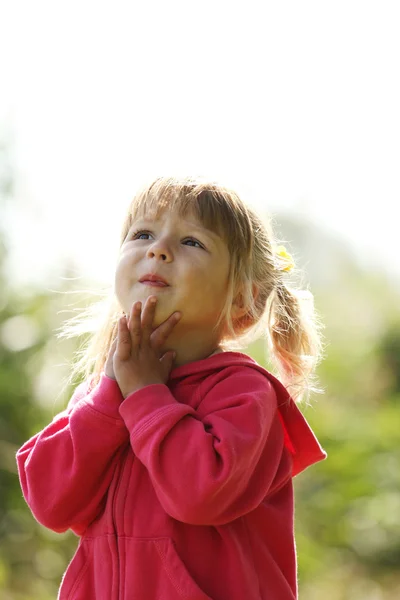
[(109, 367), (137, 360)]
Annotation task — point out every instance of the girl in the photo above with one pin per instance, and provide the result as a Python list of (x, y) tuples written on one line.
[(174, 459)]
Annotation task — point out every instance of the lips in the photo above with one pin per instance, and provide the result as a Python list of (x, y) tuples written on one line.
[(153, 279)]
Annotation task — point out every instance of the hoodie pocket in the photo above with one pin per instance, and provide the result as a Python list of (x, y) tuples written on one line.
[(93, 573), (77, 582), (155, 571)]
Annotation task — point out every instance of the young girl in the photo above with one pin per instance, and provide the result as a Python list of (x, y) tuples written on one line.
[(175, 457)]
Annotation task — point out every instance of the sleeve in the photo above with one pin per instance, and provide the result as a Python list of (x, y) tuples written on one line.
[(66, 469), (213, 465)]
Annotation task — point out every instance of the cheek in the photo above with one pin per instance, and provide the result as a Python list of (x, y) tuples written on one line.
[(117, 280), (119, 277), (214, 284), (209, 293), (123, 279), (125, 269)]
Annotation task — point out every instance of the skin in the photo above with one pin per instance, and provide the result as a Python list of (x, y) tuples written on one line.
[(195, 263)]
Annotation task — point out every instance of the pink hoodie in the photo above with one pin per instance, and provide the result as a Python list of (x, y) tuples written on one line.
[(180, 491)]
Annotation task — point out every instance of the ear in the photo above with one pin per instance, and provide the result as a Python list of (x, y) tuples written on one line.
[(238, 308)]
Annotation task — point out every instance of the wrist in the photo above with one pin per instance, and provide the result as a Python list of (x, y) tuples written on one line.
[(131, 389)]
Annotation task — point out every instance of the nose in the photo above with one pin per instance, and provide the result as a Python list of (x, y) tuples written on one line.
[(160, 250)]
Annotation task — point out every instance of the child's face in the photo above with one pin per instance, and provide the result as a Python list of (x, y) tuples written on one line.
[(192, 260)]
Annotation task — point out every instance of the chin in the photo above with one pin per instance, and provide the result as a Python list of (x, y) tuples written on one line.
[(162, 312), (161, 315)]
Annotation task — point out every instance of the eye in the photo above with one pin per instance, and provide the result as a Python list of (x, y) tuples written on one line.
[(194, 242), (137, 235)]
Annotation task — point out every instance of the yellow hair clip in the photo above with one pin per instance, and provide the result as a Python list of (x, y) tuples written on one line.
[(286, 259)]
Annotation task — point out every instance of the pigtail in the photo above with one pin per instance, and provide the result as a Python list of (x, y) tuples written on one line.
[(295, 339)]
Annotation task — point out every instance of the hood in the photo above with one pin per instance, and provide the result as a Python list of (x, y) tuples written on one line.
[(299, 437)]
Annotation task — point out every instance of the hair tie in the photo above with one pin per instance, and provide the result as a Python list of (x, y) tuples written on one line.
[(285, 262)]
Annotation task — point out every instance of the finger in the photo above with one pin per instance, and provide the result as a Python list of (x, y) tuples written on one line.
[(110, 355), (135, 324), (123, 341), (148, 318), (159, 335), (167, 361)]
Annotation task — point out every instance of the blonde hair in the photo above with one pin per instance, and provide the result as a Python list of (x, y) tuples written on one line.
[(282, 314)]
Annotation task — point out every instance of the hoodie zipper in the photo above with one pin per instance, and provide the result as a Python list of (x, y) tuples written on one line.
[(114, 521)]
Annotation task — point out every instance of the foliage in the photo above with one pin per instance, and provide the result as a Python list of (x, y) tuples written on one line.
[(32, 559)]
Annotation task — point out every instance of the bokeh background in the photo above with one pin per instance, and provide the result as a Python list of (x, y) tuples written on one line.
[(293, 103)]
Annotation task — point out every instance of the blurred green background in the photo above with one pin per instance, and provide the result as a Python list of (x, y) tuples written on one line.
[(348, 507)]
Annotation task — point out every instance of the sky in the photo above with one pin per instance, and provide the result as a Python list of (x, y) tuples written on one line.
[(296, 104)]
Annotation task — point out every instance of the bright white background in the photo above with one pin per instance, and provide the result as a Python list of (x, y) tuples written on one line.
[(295, 102)]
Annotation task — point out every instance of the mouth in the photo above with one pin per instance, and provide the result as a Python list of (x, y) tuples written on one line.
[(154, 280)]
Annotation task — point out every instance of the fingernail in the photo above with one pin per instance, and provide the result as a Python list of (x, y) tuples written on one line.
[(153, 300)]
